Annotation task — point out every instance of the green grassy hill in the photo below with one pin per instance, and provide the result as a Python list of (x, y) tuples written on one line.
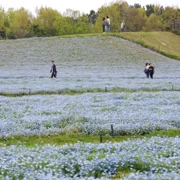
[(165, 43)]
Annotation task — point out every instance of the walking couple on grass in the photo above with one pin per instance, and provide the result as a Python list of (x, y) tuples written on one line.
[(149, 70)]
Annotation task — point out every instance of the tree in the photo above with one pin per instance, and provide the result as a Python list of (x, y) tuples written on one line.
[(136, 18), (149, 10), (48, 22), (72, 22), (82, 25), (137, 6), (63, 25), (44, 22), (168, 15), (123, 11), (153, 23), (158, 10), (92, 16), (2, 17), (20, 23), (2, 20)]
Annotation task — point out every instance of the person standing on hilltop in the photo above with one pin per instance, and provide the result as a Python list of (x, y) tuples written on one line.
[(122, 27), (53, 70), (108, 24), (103, 24)]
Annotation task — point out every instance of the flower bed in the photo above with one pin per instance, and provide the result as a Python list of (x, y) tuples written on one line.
[(153, 158), (92, 113)]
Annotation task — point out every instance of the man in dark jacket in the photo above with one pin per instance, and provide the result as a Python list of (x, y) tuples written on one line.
[(53, 70), (151, 70)]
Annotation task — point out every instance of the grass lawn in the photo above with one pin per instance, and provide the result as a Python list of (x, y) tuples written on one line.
[(31, 141), (164, 42)]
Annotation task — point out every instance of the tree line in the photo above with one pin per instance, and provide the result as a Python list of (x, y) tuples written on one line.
[(21, 23)]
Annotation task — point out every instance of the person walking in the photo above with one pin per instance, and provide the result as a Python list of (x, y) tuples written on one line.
[(151, 70), (108, 24), (103, 24), (53, 70), (146, 70), (122, 28)]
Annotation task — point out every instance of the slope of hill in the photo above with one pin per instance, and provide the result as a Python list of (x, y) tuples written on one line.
[(101, 94), (166, 43)]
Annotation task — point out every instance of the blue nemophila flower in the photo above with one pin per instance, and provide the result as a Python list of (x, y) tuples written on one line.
[(80, 113), (93, 160), (82, 67)]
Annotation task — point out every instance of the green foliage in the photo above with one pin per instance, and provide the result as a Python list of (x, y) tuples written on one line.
[(92, 17), (20, 23), (177, 32), (136, 5), (169, 133), (72, 23), (170, 55), (61, 139), (153, 23), (44, 22), (149, 9), (168, 15), (136, 19), (72, 92), (2, 17), (3, 23), (49, 22)]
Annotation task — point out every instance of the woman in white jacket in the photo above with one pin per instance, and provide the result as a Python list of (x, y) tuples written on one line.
[(108, 24)]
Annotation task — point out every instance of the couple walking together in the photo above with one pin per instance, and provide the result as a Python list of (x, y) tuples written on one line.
[(149, 70), (106, 24)]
